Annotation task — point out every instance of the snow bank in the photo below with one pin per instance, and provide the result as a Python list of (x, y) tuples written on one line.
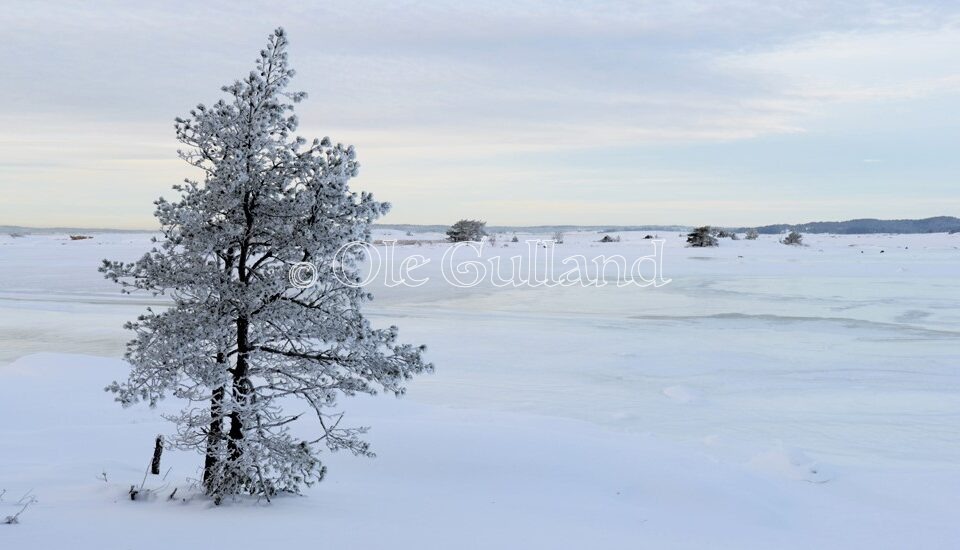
[(444, 478)]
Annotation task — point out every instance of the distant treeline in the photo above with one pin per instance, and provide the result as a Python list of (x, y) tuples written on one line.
[(534, 228), (939, 224), (21, 230)]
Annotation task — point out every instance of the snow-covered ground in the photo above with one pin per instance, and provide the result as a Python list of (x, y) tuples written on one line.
[(769, 396)]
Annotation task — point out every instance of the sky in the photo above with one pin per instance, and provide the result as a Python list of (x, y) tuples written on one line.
[(733, 113)]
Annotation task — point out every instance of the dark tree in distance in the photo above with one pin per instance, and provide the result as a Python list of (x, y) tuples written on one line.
[(467, 230), (701, 237)]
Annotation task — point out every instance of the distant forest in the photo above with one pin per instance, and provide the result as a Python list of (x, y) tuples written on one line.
[(939, 224)]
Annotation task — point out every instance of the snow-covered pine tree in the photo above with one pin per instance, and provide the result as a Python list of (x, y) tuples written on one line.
[(793, 238), (247, 352), (702, 236), (467, 230)]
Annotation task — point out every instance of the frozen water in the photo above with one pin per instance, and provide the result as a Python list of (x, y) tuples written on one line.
[(830, 366)]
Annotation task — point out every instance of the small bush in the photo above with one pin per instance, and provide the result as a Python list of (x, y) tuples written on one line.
[(793, 238), (701, 237), (752, 234)]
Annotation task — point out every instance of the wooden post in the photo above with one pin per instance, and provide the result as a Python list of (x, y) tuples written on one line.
[(157, 451)]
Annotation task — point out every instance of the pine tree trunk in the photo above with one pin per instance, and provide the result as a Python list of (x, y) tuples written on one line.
[(214, 435), (241, 383), (241, 396)]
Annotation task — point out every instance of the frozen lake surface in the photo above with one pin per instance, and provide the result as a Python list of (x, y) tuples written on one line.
[(833, 366)]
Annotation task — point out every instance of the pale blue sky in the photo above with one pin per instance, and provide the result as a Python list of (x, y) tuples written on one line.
[(728, 113)]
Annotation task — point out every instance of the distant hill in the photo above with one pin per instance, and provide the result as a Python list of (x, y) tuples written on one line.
[(939, 224)]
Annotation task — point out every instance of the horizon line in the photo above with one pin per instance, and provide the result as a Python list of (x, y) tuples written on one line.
[(621, 227)]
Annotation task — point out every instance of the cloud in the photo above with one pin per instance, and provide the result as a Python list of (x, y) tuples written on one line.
[(484, 96), (857, 66)]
